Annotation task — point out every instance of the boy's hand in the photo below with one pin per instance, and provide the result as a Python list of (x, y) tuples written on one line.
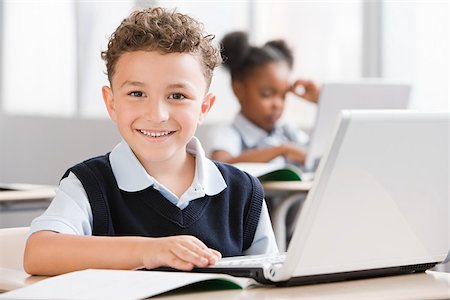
[(181, 252), (306, 89)]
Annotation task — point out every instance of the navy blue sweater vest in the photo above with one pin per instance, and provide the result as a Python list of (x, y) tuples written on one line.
[(226, 222)]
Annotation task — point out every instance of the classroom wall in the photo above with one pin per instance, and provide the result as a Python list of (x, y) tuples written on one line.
[(39, 149), (412, 40)]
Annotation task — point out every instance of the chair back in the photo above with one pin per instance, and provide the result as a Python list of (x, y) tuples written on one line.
[(12, 247)]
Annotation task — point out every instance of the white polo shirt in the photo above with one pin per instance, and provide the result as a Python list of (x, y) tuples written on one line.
[(231, 138), (70, 211)]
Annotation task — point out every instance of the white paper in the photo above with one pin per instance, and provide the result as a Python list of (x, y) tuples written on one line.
[(114, 284)]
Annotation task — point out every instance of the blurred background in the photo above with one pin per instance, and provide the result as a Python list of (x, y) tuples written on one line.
[(51, 73)]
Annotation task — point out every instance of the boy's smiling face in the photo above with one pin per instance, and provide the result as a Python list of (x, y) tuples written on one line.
[(157, 101)]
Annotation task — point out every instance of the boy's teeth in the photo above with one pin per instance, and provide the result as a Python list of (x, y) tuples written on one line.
[(155, 134)]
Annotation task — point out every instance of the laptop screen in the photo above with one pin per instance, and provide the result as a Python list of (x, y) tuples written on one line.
[(380, 197), (335, 97)]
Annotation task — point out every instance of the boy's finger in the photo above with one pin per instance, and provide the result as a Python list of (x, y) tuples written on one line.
[(216, 256), (217, 253), (188, 255), (198, 242), (210, 255), (177, 263), (202, 250)]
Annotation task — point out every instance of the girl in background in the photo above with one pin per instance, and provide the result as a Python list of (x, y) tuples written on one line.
[(260, 78)]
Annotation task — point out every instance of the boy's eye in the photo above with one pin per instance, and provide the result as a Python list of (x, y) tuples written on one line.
[(136, 94), (177, 96)]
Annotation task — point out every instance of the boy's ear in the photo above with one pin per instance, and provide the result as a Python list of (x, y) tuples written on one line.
[(207, 104), (108, 98)]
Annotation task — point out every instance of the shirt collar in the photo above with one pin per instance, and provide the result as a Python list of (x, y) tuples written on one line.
[(251, 134), (207, 175), (131, 175)]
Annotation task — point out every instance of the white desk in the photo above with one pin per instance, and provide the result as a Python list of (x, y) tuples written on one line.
[(284, 194), (20, 203), (425, 286), (429, 285), (15, 192), (11, 279)]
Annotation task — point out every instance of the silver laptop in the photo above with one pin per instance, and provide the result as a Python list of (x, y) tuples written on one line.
[(368, 94), (379, 204)]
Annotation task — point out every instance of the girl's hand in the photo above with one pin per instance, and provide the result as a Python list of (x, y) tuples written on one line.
[(294, 153), (306, 89), (181, 252)]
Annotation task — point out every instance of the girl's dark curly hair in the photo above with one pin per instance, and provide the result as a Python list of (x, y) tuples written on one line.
[(241, 58)]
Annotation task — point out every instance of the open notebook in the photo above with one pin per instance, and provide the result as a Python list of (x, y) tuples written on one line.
[(379, 204)]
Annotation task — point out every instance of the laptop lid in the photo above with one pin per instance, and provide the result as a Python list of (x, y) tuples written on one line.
[(370, 94), (380, 198)]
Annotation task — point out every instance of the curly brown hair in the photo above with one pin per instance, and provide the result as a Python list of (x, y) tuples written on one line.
[(158, 29)]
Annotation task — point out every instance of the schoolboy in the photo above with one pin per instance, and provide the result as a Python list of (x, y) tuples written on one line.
[(155, 199)]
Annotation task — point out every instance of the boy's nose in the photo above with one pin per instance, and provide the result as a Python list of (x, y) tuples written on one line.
[(157, 111)]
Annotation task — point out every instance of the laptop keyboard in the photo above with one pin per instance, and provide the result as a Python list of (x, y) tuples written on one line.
[(252, 260)]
